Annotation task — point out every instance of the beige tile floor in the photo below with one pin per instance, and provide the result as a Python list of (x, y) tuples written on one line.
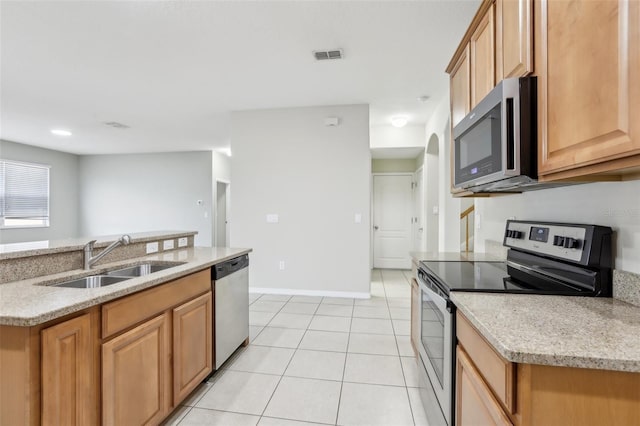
[(315, 360)]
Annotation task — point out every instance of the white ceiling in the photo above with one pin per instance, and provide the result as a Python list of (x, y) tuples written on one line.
[(173, 71)]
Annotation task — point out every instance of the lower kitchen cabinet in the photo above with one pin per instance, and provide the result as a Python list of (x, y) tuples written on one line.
[(493, 391), (475, 402), (136, 375), (69, 389), (129, 361), (192, 345)]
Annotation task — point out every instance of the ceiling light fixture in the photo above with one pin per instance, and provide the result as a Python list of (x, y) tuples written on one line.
[(61, 132), (399, 121)]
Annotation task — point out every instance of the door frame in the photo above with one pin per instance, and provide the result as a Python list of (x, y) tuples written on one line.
[(227, 210), (371, 207), (422, 218)]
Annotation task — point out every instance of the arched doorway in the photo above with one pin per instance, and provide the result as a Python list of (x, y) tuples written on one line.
[(432, 193)]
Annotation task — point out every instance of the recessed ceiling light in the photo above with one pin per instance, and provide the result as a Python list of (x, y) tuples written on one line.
[(399, 121), (61, 132)]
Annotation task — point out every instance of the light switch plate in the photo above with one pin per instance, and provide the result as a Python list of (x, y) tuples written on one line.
[(357, 218), (152, 247), (182, 242), (167, 244), (272, 218)]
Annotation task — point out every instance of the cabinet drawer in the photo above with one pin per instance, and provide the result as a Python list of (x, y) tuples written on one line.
[(130, 310), (497, 372), (475, 403)]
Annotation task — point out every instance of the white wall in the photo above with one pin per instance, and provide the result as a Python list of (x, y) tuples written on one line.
[(397, 137), (147, 192), (63, 193), (432, 190), (449, 207), (391, 165), (615, 204), (316, 178)]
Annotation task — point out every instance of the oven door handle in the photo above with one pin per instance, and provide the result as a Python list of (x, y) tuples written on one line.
[(438, 297)]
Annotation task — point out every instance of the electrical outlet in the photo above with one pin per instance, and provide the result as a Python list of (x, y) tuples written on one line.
[(281, 265), (272, 218), (152, 247), (182, 242), (167, 245)]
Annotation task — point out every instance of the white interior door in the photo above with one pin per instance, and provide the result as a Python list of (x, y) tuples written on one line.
[(221, 214), (392, 207)]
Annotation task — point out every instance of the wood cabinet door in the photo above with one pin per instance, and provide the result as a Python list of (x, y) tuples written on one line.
[(68, 395), (587, 55), (514, 38), (460, 88), (136, 375), (415, 315), (192, 345), (475, 405), (483, 57)]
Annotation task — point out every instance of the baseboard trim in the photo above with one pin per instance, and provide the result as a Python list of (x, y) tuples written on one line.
[(299, 292)]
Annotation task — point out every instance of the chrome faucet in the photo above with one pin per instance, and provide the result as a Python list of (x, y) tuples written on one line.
[(89, 259)]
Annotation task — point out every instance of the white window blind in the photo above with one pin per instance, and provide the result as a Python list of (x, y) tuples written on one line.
[(24, 194)]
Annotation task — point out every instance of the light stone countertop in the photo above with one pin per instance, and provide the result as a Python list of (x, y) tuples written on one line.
[(584, 332), (27, 302), (36, 248)]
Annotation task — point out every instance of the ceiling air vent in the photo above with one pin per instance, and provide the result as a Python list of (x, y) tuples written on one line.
[(116, 125), (322, 55)]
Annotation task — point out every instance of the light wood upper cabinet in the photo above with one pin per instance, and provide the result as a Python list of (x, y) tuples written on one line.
[(460, 87), (68, 380), (192, 345), (483, 57), (514, 38), (587, 56), (136, 375)]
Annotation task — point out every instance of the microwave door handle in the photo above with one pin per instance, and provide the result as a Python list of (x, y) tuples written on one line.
[(509, 147)]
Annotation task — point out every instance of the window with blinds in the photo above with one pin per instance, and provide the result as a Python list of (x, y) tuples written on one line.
[(24, 195)]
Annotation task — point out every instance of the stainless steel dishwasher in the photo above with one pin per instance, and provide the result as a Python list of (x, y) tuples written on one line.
[(231, 306)]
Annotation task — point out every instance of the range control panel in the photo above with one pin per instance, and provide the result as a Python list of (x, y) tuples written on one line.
[(587, 245)]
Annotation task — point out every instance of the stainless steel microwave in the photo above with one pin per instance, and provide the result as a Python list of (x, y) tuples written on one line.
[(495, 147)]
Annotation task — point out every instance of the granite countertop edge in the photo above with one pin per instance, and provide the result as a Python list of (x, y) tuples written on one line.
[(102, 242), (548, 357), (198, 258)]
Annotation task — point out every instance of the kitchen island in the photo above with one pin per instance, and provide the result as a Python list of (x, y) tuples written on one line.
[(126, 353)]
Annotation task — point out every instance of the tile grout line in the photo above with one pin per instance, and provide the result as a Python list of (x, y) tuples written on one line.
[(344, 367), (288, 364), (413, 418)]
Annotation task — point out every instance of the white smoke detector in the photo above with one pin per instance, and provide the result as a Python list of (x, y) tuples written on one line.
[(331, 121)]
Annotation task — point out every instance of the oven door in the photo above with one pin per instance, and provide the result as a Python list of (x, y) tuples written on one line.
[(436, 346)]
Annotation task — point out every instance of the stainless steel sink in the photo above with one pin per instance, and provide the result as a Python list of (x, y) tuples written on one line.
[(141, 270), (113, 277), (93, 281)]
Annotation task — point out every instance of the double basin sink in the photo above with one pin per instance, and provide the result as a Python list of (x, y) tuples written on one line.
[(118, 275)]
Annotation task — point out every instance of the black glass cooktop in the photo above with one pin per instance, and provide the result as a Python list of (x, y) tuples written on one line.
[(493, 277), (470, 276)]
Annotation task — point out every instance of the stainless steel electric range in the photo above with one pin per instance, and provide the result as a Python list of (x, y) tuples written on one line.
[(543, 258)]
